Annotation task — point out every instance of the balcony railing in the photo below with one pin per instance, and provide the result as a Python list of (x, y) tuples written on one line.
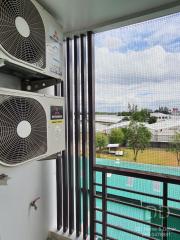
[(162, 230)]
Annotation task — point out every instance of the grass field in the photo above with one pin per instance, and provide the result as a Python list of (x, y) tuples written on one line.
[(148, 156)]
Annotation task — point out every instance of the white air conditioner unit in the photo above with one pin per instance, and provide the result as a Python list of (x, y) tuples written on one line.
[(30, 39), (31, 126)]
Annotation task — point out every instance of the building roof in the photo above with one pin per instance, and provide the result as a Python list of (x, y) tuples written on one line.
[(100, 127), (170, 123), (108, 118), (158, 114), (118, 125), (113, 145)]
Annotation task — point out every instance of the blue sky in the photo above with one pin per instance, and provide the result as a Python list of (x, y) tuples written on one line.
[(139, 64)]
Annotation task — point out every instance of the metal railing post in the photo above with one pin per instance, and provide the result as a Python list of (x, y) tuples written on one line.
[(70, 134), (92, 149), (84, 135), (165, 210), (104, 205)]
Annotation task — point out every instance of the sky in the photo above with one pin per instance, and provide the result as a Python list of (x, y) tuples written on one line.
[(139, 64)]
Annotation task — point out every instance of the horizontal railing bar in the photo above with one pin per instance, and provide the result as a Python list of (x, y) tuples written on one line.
[(98, 196), (136, 220), (174, 215), (130, 204), (98, 184), (174, 230), (136, 206), (141, 207), (138, 174), (130, 232), (113, 226), (110, 238), (137, 192), (140, 193), (130, 191), (99, 234), (173, 200), (131, 219), (99, 222), (133, 205)]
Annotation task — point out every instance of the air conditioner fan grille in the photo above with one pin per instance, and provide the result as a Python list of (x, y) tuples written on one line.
[(27, 44), (13, 148)]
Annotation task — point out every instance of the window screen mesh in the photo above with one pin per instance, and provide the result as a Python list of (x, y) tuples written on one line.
[(138, 120), (138, 96)]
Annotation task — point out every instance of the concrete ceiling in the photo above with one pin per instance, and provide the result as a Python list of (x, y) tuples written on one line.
[(79, 15)]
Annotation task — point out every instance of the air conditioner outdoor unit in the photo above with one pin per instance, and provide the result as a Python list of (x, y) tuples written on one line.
[(30, 39), (31, 126)]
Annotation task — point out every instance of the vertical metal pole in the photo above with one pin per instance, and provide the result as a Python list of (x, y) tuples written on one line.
[(84, 136), (59, 183), (77, 135), (64, 168), (70, 137), (64, 156), (65, 191), (104, 205), (165, 210), (92, 150), (59, 190)]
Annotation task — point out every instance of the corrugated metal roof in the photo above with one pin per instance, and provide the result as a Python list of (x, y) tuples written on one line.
[(113, 145)]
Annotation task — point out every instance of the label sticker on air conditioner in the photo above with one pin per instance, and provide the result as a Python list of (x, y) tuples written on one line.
[(55, 54), (56, 114)]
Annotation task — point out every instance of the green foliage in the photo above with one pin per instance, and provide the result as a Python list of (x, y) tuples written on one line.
[(105, 113), (138, 137), (175, 146), (125, 114), (125, 131), (116, 136), (101, 140), (152, 119), (141, 116)]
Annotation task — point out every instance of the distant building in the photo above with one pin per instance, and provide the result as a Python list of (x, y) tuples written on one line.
[(163, 131), (160, 116), (108, 119), (113, 148), (175, 112)]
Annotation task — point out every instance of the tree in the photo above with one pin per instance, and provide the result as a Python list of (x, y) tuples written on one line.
[(175, 146), (141, 116), (138, 137), (116, 136), (124, 130), (164, 110), (152, 119), (132, 108), (125, 114), (101, 140)]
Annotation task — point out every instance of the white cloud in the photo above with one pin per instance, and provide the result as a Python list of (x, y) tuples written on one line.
[(164, 31), (146, 78)]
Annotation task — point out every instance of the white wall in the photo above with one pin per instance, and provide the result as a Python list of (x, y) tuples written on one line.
[(36, 179)]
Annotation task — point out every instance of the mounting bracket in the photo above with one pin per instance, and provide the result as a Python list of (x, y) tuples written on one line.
[(35, 85)]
